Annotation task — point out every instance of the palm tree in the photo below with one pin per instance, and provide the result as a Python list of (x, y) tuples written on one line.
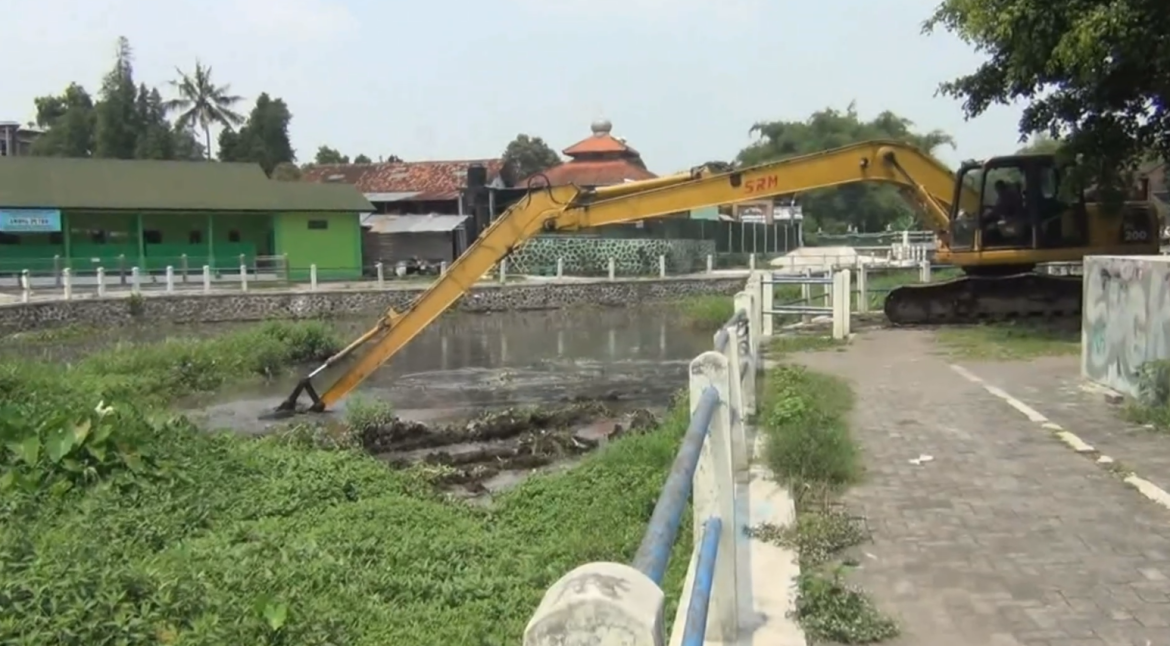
[(203, 102)]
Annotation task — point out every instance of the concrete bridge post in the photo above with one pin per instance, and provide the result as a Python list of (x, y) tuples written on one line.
[(661, 265), (206, 279), (101, 281), (170, 279), (862, 288), (67, 283), (612, 269), (135, 280)]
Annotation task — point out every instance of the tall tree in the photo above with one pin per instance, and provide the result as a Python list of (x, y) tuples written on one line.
[(264, 137), (526, 155), (286, 172), (1042, 142), (68, 120), (1094, 73), (861, 207), (117, 118), (327, 155), (201, 102), (361, 159)]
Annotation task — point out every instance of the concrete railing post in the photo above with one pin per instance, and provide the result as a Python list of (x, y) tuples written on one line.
[(135, 280), (206, 279), (170, 279), (748, 388), (737, 398), (443, 268), (841, 297), (67, 283), (560, 267), (710, 263), (756, 314), (25, 286), (714, 493), (806, 294), (752, 261), (599, 603), (381, 269), (767, 302), (662, 265), (243, 278), (924, 271), (503, 270), (612, 269), (862, 289), (313, 277), (101, 281), (184, 267)]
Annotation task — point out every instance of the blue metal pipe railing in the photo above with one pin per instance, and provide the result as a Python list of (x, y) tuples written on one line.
[(654, 552), (695, 630)]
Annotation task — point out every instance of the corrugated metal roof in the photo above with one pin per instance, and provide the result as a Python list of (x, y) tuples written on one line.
[(62, 183), (433, 223), (391, 197)]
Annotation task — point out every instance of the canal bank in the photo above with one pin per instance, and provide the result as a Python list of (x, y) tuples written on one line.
[(261, 305)]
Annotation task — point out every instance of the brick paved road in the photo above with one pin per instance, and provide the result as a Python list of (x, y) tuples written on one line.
[(1053, 386), (1007, 537)]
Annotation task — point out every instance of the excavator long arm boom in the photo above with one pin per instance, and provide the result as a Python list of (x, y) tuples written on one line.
[(568, 208)]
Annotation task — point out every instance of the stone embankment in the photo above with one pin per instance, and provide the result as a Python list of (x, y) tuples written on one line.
[(260, 305)]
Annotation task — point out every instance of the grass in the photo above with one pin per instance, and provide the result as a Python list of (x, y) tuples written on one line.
[(1152, 405), (1008, 341), (785, 344), (122, 524), (809, 445), (707, 312)]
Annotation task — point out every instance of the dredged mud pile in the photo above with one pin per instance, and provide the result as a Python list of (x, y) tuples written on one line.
[(514, 440)]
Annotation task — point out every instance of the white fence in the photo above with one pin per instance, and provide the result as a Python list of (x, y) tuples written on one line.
[(615, 603)]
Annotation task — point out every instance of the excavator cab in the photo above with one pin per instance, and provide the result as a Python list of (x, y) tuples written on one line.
[(1024, 203), (1011, 213)]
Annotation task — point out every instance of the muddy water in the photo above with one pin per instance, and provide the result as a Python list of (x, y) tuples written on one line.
[(632, 358)]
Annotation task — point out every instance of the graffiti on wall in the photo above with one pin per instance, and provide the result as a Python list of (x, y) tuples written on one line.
[(1126, 320)]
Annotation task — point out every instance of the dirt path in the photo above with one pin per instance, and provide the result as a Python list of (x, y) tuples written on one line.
[(1007, 536)]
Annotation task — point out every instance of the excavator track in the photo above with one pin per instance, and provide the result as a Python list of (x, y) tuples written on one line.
[(975, 299)]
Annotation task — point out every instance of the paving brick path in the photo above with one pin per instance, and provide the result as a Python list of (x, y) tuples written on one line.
[(1008, 536)]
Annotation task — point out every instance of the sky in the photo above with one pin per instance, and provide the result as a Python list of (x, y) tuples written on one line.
[(682, 80)]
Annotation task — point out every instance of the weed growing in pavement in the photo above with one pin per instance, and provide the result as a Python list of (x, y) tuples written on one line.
[(808, 444), (119, 523)]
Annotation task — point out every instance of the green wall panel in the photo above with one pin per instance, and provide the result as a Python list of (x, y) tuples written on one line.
[(336, 250)]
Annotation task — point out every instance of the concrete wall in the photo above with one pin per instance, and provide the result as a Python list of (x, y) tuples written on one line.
[(264, 305), (1126, 319)]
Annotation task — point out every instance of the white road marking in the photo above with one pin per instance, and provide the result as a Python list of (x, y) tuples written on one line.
[(1070, 439)]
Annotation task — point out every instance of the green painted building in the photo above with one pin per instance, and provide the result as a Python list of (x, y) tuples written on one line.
[(85, 213)]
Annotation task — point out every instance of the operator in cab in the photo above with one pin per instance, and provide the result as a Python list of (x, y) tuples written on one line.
[(1005, 221)]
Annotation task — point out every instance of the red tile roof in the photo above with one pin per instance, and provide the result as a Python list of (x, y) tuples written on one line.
[(433, 180), (601, 142), (595, 173)]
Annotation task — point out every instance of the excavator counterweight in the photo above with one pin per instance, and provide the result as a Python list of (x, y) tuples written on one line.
[(996, 221)]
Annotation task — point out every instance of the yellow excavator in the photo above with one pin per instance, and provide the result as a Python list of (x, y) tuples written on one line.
[(996, 220)]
